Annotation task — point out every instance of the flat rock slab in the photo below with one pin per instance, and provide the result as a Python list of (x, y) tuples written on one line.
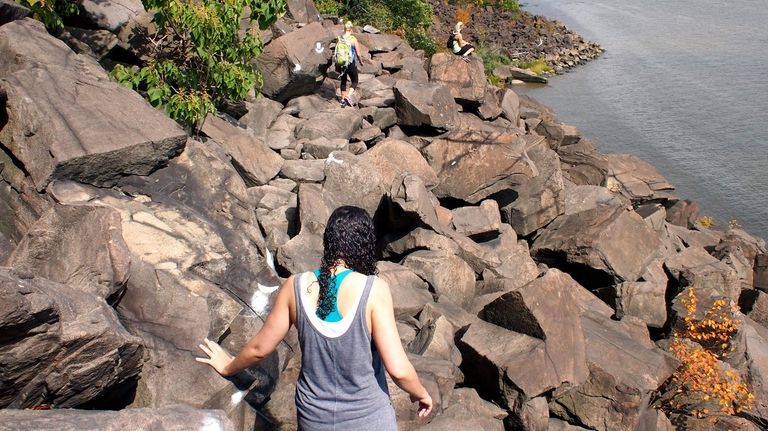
[(637, 179), (68, 120), (471, 165), (175, 418)]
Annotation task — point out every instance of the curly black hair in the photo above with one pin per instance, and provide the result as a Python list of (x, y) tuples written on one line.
[(349, 238)]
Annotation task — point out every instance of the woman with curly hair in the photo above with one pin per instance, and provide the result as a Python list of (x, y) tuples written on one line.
[(347, 333)]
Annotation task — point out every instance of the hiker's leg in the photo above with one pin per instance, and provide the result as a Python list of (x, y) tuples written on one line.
[(352, 70), (344, 84)]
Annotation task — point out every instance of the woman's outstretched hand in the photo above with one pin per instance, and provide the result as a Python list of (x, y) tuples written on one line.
[(425, 404), (217, 358)]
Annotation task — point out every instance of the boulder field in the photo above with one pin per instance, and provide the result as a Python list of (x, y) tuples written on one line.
[(536, 281)]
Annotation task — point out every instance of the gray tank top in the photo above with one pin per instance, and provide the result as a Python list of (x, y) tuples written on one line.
[(341, 385)]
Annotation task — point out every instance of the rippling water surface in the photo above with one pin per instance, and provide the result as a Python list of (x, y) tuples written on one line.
[(684, 85)]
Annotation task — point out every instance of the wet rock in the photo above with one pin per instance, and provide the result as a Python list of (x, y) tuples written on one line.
[(80, 246), (420, 104), (473, 165), (53, 325), (68, 120), (465, 80), (290, 64), (448, 274), (176, 418), (253, 159)]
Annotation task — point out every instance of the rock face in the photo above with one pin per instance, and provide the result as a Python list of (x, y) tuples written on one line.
[(67, 120), (291, 65), (420, 104), (177, 418), (60, 346), (111, 15), (99, 265), (599, 239), (466, 80)]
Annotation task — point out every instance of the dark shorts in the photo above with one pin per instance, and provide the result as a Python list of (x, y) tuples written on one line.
[(351, 72), (464, 49)]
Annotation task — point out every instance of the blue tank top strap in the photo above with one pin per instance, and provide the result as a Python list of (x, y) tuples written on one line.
[(335, 314)]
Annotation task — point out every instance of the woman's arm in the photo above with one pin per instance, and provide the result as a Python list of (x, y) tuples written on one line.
[(387, 340), (460, 39), (260, 346)]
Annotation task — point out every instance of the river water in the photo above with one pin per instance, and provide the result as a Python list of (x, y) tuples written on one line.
[(683, 84)]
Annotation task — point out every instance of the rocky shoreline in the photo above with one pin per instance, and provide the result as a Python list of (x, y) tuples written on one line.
[(537, 282), (516, 34)]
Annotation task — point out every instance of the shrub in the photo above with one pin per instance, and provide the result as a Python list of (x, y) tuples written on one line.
[(702, 380), (706, 221), (411, 18), (537, 66), (329, 7), (507, 5), (51, 11), (199, 56)]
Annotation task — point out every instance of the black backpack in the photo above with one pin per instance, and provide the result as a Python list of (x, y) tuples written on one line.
[(451, 38)]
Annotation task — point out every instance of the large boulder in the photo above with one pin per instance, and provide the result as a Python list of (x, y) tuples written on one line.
[(80, 246), (252, 158), (110, 14), (480, 221), (292, 65), (262, 112), (409, 291), (176, 418), (66, 119), (60, 346), (466, 80), (603, 244), (582, 164), (624, 368), (303, 10), (468, 411), (637, 179), (420, 104), (472, 165), (304, 251), (353, 180), (447, 273), (379, 42), (332, 124), (644, 299), (694, 267), (393, 158), (538, 201), (12, 11)]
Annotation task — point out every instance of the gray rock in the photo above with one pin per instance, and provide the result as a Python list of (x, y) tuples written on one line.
[(510, 106), (466, 80), (338, 123), (110, 14), (393, 158), (384, 118), (537, 201), (582, 164), (490, 107), (252, 158), (96, 43), (696, 268), (473, 165), (86, 127), (683, 213), (637, 179), (176, 418), (12, 11), (409, 291), (509, 72), (467, 411), (420, 104), (281, 134), (413, 205), (308, 106), (412, 70), (583, 198), (379, 42), (261, 113), (448, 274), (304, 170), (303, 11), (513, 260), (290, 64), (304, 251), (80, 246), (645, 299), (53, 325), (353, 180), (598, 239), (321, 147), (480, 221)]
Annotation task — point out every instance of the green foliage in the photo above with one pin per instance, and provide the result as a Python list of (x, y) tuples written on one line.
[(51, 11), (200, 55), (412, 18), (507, 5), (537, 66), (491, 58)]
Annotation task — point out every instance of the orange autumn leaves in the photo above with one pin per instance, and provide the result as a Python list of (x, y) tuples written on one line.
[(702, 379)]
